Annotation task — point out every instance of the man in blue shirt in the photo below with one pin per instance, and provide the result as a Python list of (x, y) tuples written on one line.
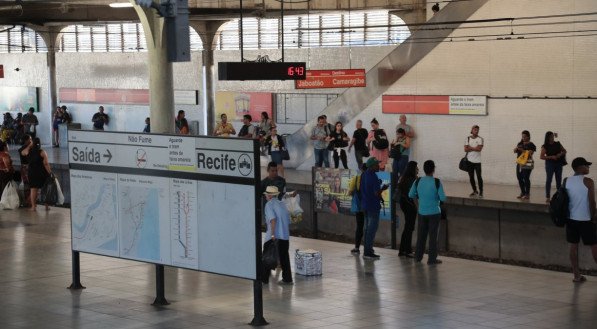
[(371, 190), (428, 192), (277, 219)]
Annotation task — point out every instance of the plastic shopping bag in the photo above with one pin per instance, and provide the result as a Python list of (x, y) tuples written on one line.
[(10, 197), (49, 192), (60, 199), (293, 204)]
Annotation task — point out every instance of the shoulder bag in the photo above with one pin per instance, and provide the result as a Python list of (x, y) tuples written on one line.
[(464, 164)]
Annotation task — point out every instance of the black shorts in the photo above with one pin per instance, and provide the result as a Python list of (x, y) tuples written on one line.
[(575, 230)]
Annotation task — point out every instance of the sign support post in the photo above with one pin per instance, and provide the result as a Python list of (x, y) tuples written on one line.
[(76, 285), (258, 319), (160, 294)]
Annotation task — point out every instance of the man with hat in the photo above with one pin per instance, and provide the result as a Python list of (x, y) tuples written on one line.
[(371, 189), (277, 219), (581, 195)]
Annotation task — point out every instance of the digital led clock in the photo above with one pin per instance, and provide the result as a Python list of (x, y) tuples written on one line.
[(262, 71)]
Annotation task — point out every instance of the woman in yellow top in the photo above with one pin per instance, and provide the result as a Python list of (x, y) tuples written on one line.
[(224, 128)]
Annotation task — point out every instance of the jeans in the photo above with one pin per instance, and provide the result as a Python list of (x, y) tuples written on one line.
[(399, 165), (358, 234), (475, 167), (428, 224), (340, 156), (322, 156), (551, 168), (358, 155), (371, 224), (524, 180), (410, 216)]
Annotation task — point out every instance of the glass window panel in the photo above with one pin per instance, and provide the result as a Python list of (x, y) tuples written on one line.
[(196, 43), (290, 31), (98, 36), (114, 37), (269, 33), (130, 37), (331, 37)]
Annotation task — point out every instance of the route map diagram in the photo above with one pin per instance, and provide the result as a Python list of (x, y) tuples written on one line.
[(140, 207), (183, 216), (94, 216)]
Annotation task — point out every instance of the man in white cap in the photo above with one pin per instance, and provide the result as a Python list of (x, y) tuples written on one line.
[(277, 219), (581, 195)]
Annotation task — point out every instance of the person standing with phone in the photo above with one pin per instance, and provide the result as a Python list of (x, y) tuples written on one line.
[(371, 189)]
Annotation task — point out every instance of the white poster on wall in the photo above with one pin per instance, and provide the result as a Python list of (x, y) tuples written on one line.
[(468, 105)]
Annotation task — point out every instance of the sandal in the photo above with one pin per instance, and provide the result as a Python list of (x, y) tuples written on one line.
[(579, 279)]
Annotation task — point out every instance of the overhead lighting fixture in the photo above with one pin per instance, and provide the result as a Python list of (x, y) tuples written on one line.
[(121, 5)]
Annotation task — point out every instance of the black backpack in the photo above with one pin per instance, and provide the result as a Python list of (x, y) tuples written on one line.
[(558, 206), (381, 139)]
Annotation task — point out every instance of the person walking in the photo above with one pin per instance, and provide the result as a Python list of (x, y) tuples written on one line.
[(277, 219), (339, 139), (275, 145), (371, 190), (402, 143), (378, 143), (554, 155), (523, 171), (581, 195), (428, 192), (408, 207), (355, 191), (359, 141), (99, 119), (473, 145), (39, 169), (319, 136)]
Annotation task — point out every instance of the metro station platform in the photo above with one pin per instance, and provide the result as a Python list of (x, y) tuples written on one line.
[(392, 292)]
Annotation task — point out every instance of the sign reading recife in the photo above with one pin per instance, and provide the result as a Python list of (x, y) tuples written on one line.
[(332, 79), (152, 198)]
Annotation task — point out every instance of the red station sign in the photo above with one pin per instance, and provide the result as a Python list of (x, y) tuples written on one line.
[(1, 71), (332, 79)]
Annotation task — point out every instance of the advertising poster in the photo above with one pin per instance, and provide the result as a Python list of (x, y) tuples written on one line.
[(331, 191), (236, 104), (18, 99)]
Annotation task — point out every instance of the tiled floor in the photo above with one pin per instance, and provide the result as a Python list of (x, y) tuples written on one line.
[(352, 293)]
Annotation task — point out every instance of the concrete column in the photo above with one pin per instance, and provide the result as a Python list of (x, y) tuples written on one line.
[(208, 30), (50, 37), (161, 84)]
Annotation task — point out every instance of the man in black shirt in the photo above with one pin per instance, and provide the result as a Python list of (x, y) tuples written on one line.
[(359, 139), (30, 123), (100, 119), (247, 131)]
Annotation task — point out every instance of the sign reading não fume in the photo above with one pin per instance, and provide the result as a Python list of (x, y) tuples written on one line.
[(152, 198)]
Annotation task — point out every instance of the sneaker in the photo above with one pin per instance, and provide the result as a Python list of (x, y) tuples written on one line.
[(355, 251), (480, 195), (474, 194), (371, 256), (285, 283), (433, 262)]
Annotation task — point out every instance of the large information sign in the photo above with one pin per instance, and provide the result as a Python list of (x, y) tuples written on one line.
[(180, 201)]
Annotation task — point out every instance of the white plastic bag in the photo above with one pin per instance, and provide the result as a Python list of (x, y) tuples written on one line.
[(10, 197), (293, 204), (60, 195)]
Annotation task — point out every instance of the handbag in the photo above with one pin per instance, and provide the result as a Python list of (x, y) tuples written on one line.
[(395, 152), (269, 258), (285, 154), (10, 196), (464, 164), (523, 158)]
